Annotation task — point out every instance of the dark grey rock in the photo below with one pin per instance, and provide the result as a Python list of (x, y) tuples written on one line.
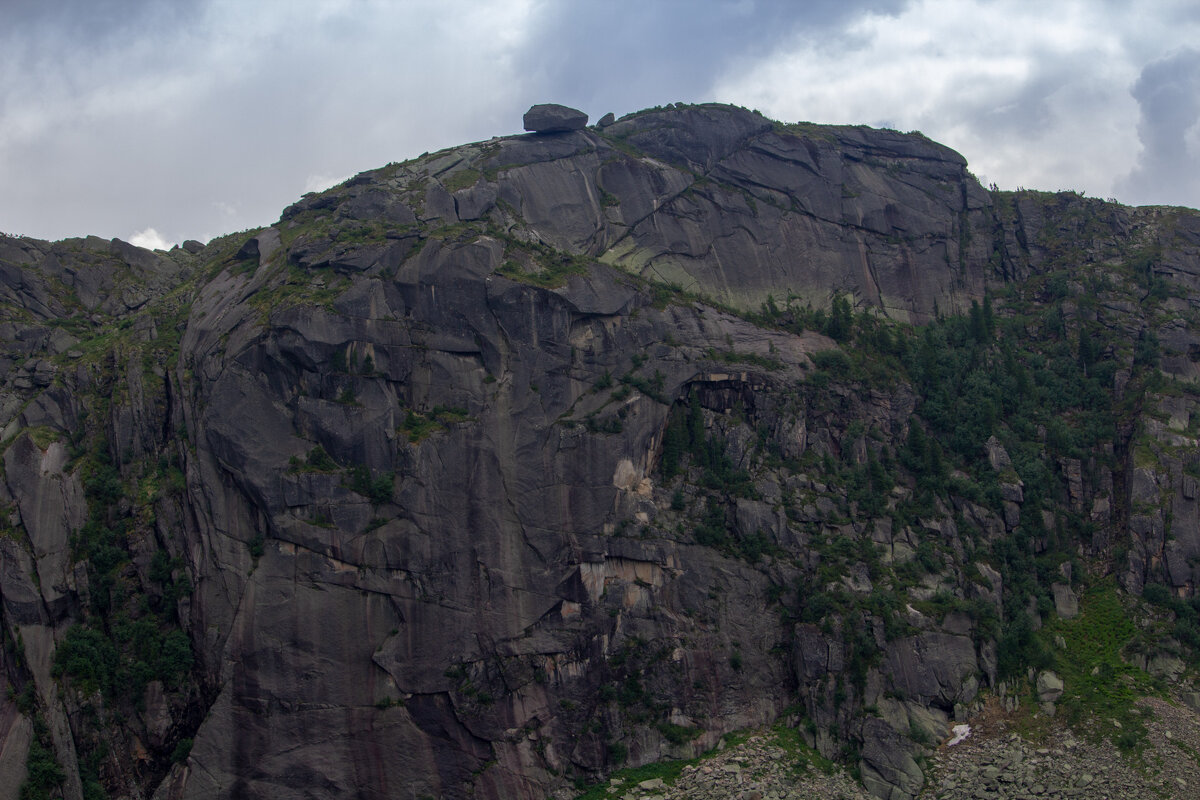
[(1066, 604), (249, 250), (377, 205), (997, 455), (261, 247), (933, 667), (888, 767), (553, 118), (1049, 687)]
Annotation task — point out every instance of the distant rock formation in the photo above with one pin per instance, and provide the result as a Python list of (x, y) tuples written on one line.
[(553, 118)]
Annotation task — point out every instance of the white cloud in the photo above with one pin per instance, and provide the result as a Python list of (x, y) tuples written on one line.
[(1033, 94), (319, 183), (217, 117), (150, 239), (229, 110), (226, 210), (1168, 96)]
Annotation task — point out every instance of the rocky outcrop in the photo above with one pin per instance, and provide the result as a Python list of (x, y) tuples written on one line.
[(484, 473)]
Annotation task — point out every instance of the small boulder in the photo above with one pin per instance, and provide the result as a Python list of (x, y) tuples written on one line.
[(997, 455), (192, 246), (260, 247), (1066, 604), (1049, 687), (553, 118), (606, 120), (1166, 666), (248, 250), (1013, 492)]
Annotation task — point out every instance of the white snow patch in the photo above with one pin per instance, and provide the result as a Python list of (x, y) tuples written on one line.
[(961, 732)]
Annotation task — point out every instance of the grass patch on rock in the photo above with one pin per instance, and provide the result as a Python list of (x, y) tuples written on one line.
[(463, 179), (624, 781), (418, 426), (800, 754), (1101, 690)]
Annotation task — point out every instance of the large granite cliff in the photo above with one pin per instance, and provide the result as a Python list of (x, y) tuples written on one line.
[(484, 473)]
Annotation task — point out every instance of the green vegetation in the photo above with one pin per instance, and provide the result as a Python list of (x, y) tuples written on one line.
[(43, 772), (292, 286), (127, 632), (181, 752), (753, 359), (377, 488), (549, 272), (418, 426), (317, 460), (808, 130), (1030, 370), (119, 662), (606, 425), (1039, 385), (651, 387), (462, 179), (1186, 627), (667, 771), (43, 437), (798, 756), (802, 756), (677, 734), (536, 263), (1099, 686)]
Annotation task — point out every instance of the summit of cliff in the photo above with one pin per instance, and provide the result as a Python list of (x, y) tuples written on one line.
[(715, 199)]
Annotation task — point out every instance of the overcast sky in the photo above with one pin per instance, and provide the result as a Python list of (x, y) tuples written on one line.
[(157, 121)]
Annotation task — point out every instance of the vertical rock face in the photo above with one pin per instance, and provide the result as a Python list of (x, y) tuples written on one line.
[(489, 471)]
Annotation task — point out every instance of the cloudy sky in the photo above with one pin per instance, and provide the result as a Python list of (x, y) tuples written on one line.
[(158, 121)]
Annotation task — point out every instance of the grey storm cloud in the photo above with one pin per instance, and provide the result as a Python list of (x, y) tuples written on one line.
[(1168, 97), (654, 53), (93, 24)]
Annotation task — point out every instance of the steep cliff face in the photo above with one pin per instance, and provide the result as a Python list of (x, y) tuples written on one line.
[(487, 472)]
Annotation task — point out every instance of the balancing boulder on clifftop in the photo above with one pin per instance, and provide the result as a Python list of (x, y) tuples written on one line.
[(553, 118)]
